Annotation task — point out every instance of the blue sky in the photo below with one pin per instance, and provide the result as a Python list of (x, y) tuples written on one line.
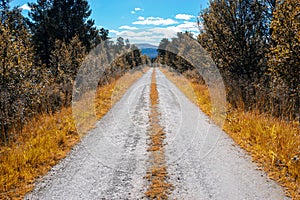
[(142, 21)]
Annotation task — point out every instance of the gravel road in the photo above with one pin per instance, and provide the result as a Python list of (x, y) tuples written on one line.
[(111, 160)]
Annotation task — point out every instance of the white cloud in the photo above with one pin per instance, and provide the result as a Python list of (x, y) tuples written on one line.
[(135, 10), (137, 36), (155, 21), (128, 27), (188, 26), (184, 16), (151, 36), (141, 18), (155, 34), (25, 7), (113, 31)]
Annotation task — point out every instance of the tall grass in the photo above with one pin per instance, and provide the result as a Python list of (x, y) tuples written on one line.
[(273, 143), (45, 140)]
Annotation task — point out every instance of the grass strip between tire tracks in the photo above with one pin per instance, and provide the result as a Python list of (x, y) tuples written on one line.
[(157, 174)]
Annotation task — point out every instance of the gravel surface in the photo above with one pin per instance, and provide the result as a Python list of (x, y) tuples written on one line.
[(111, 161)]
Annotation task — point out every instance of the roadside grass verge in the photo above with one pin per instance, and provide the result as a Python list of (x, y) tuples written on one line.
[(47, 139), (274, 144)]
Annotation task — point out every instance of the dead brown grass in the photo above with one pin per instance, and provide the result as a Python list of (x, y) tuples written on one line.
[(47, 139), (274, 144), (157, 174)]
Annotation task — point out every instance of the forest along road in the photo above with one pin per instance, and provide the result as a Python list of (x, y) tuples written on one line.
[(112, 160)]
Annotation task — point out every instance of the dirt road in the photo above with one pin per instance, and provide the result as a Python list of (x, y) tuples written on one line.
[(112, 160)]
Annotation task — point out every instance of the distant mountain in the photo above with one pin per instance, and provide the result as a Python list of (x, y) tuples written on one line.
[(151, 53), (146, 46), (148, 49)]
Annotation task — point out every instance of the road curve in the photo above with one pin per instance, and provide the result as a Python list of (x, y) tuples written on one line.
[(111, 160)]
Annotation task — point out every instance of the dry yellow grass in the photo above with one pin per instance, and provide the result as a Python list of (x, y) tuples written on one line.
[(47, 139), (273, 144), (157, 174)]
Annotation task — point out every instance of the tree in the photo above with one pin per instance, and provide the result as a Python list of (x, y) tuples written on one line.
[(104, 34), (65, 61), (42, 37), (4, 7), (120, 42), (162, 46), (19, 78), (61, 20), (236, 33), (284, 58), (70, 18), (168, 52), (127, 44)]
